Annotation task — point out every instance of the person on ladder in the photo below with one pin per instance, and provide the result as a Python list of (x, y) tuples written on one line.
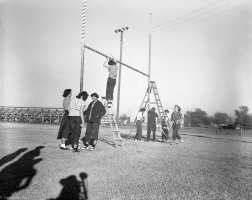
[(152, 123), (110, 63)]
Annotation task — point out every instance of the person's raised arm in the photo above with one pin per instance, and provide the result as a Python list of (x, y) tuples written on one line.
[(105, 64)]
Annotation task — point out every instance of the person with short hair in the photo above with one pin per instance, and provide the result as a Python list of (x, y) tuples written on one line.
[(110, 63), (176, 118), (76, 118), (139, 124), (64, 130), (152, 123), (94, 113)]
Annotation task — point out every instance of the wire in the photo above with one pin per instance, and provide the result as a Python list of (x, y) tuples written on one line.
[(192, 13), (172, 27)]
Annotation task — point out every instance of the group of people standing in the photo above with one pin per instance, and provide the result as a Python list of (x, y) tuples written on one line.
[(74, 118), (76, 113), (168, 121)]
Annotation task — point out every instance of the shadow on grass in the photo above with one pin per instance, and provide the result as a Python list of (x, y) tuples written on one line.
[(144, 138), (73, 188), (11, 156), (19, 174), (107, 142)]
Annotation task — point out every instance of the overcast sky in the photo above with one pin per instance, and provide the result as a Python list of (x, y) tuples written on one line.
[(201, 51)]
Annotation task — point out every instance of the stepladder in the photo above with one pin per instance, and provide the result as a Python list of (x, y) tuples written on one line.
[(157, 102), (110, 118), (146, 101)]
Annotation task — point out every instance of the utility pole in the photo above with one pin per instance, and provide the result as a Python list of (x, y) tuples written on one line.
[(121, 30)]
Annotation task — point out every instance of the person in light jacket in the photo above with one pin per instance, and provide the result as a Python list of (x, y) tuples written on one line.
[(76, 118)]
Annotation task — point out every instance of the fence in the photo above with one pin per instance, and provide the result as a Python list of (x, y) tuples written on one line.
[(31, 114)]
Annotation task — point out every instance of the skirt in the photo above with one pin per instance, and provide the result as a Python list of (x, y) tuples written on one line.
[(64, 130)]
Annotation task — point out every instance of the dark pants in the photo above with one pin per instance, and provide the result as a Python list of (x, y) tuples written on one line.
[(92, 131), (165, 133), (110, 88), (75, 128), (175, 134), (139, 130), (64, 130), (153, 128)]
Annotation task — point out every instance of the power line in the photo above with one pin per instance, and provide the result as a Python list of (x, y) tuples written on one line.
[(172, 27), (156, 29), (145, 31), (194, 12)]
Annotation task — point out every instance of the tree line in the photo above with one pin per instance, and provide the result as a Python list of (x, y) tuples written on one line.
[(199, 117)]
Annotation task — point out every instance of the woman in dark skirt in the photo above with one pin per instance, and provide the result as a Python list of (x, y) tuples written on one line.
[(64, 130)]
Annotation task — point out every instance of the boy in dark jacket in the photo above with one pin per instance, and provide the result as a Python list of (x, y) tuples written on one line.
[(94, 113)]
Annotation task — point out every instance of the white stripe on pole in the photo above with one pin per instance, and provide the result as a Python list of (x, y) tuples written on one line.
[(83, 31)]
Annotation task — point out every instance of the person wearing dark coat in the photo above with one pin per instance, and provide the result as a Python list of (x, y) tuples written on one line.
[(94, 113), (64, 130), (152, 123)]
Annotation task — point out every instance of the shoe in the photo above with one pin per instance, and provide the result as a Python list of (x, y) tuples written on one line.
[(91, 148), (64, 148), (109, 103), (76, 150), (135, 140), (181, 140)]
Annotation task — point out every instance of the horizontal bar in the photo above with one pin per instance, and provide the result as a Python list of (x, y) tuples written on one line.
[(87, 47)]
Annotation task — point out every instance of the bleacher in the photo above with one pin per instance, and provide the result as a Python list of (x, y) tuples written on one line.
[(31, 114)]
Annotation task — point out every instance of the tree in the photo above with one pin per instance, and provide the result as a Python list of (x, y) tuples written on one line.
[(198, 117), (123, 117), (220, 118), (187, 119), (242, 117)]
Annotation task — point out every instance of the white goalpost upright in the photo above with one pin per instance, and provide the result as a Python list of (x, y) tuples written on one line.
[(83, 30)]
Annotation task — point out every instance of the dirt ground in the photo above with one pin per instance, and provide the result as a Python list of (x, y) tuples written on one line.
[(205, 166)]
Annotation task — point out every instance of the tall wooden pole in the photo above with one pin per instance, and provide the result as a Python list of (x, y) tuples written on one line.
[(83, 29), (149, 71), (121, 30), (119, 79)]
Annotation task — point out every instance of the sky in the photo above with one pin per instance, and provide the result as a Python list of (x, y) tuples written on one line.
[(200, 51)]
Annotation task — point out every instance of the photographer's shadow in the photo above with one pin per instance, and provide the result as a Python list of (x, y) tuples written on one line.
[(73, 188), (19, 174)]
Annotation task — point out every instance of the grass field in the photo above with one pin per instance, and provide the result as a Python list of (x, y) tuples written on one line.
[(205, 166)]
